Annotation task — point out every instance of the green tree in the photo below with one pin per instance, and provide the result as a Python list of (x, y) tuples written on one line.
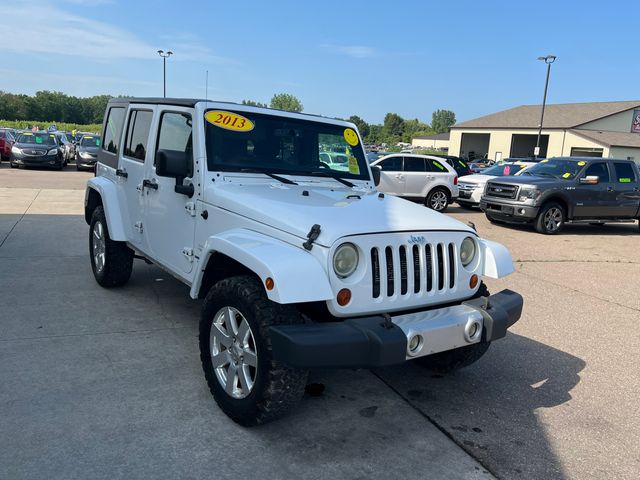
[(413, 128), (363, 127), (287, 102), (442, 120), (253, 103), (393, 126), (375, 134)]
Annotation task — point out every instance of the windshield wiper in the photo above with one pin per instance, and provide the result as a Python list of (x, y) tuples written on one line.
[(335, 176), (269, 174)]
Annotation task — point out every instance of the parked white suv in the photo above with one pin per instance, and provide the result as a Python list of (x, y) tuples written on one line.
[(472, 186), (300, 265), (427, 179)]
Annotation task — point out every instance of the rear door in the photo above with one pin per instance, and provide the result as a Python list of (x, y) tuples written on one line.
[(392, 177), (595, 201), (416, 176), (440, 173), (627, 189)]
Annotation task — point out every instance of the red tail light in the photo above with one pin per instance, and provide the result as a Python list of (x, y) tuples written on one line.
[(455, 180)]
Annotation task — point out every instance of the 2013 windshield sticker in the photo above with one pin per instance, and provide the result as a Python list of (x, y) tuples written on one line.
[(229, 120), (351, 136), (566, 175), (582, 164), (436, 164), (353, 165)]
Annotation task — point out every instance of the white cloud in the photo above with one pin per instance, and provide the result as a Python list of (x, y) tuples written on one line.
[(355, 51), (47, 28)]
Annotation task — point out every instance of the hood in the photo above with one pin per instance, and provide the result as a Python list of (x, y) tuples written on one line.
[(531, 180), (338, 211), (476, 178), (82, 148)]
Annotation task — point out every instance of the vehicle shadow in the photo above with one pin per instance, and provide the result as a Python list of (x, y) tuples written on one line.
[(617, 229), (491, 408)]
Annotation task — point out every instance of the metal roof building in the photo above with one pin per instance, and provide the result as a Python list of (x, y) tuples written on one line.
[(600, 129)]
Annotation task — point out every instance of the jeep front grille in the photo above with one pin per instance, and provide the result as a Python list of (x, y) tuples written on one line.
[(413, 269), (502, 190)]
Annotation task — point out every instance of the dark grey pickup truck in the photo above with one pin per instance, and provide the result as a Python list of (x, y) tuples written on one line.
[(566, 190)]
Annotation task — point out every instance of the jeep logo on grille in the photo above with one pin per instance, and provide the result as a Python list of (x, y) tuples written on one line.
[(417, 239)]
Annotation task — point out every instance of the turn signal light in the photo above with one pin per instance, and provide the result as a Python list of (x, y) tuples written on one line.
[(269, 283), (344, 297), (473, 282)]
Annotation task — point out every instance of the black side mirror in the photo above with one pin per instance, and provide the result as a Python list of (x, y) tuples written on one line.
[(175, 164), (375, 171)]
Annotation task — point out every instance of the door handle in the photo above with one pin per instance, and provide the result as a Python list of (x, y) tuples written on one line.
[(149, 184), (121, 173)]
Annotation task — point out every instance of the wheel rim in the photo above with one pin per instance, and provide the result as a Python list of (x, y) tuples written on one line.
[(99, 248), (233, 352), (553, 219), (438, 200)]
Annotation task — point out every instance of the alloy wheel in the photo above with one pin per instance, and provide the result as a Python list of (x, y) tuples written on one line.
[(233, 352), (99, 246), (553, 219), (438, 200)]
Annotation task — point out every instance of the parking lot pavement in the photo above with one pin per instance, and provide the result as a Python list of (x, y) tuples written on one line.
[(107, 383)]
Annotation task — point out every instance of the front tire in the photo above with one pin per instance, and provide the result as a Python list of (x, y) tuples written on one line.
[(437, 199), (550, 219), (111, 261), (235, 344)]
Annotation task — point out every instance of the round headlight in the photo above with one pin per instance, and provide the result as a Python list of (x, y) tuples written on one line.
[(467, 251), (345, 260)]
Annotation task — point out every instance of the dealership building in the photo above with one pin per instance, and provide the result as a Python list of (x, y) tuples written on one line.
[(600, 129), (439, 141)]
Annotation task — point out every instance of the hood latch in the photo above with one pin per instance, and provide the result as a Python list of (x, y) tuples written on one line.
[(312, 236)]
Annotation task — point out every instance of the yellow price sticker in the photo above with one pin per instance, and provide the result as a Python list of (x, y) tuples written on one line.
[(582, 164), (566, 175), (353, 166), (351, 136), (544, 161), (229, 121)]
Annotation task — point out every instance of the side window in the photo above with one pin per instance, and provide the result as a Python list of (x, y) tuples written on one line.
[(414, 164), (113, 129), (624, 172), (599, 170), (393, 164), (175, 134), (436, 166), (135, 145)]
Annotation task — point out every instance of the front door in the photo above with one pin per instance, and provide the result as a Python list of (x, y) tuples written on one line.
[(392, 177), (595, 201), (169, 217)]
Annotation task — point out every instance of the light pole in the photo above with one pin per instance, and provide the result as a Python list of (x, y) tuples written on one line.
[(164, 69), (549, 59)]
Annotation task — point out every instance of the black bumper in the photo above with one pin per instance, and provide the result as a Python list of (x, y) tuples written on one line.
[(367, 342), (507, 211)]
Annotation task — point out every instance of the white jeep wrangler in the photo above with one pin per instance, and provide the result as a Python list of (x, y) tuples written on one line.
[(301, 262)]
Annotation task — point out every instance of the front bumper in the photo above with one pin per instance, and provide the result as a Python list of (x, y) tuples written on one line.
[(508, 211), (371, 342), (470, 196), (86, 162), (36, 160)]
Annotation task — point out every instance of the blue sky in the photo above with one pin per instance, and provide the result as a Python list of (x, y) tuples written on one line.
[(339, 57)]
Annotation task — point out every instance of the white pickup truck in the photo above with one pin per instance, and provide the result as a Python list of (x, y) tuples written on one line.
[(302, 264)]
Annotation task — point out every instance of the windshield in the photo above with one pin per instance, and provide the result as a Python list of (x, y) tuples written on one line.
[(504, 170), (37, 138), (245, 141), (561, 168), (88, 141)]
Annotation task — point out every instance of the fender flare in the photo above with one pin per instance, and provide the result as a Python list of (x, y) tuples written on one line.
[(298, 275), (111, 204), (496, 259)]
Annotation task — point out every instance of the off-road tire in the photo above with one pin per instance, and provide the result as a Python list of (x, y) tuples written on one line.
[(13, 165), (118, 262), (430, 199), (277, 387), (451, 360), (541, 224)]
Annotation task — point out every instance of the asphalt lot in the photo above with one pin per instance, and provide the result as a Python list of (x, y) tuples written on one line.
[(107, 383)]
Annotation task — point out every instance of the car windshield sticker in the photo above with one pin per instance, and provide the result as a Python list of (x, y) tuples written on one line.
[(97, 142), (624, 180), (544, 161), (462, 163), (566, 175), (353, 166), (88, 137), (38, 139), (506, 170), (582, 164), (438, 165), (27, 134), (351, 136), (229, 121)]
